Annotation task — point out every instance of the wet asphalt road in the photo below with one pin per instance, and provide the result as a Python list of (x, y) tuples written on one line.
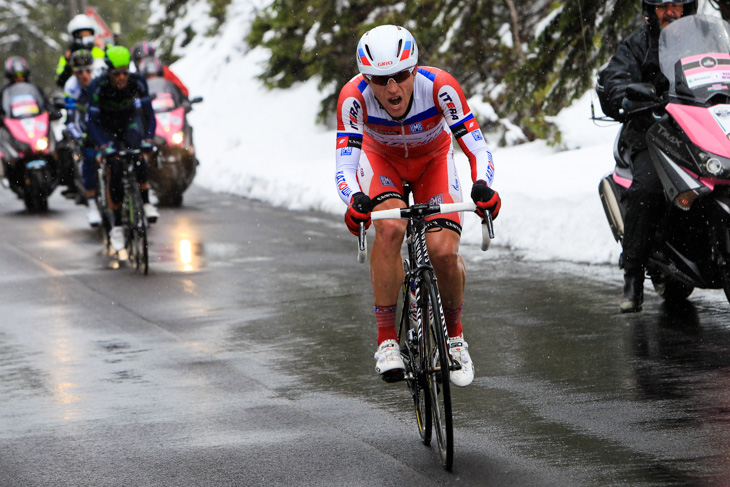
[(245, 358)]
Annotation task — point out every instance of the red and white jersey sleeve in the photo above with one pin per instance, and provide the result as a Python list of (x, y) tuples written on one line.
[(350, 130), (449, 97)]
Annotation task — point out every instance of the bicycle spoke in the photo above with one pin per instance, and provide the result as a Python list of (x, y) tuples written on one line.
[(139, 232), (415, 370), (438, 374)]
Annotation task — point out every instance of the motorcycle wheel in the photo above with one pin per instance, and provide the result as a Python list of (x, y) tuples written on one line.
[(34, 198), (670, 289), (721, 249), (176, 200), (172, 199), (36, 203), (726, 287)]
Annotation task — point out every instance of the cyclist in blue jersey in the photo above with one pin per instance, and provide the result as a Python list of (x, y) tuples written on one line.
[(115, 123)]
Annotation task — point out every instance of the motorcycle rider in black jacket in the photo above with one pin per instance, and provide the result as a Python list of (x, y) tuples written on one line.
[(637, 61)]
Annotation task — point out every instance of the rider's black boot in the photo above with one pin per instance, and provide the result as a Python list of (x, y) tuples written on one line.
[(633, 291)]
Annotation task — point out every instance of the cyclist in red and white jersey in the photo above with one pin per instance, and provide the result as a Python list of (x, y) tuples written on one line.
[(395, 122)]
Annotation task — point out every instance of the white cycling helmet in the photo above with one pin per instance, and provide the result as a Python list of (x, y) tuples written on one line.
[(387, 49), (80, 22)]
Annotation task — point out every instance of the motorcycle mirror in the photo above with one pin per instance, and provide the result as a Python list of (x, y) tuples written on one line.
[(641, 92)]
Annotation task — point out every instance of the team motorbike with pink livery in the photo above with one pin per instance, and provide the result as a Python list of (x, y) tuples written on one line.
[(689, 143), (174, 164), (27, 146)]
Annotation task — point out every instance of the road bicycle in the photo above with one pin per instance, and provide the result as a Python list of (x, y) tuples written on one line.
[(134, 221), (422, 330)]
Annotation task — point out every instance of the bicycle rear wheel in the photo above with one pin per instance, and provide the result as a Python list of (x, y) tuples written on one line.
[(434, 338), (416, 367)]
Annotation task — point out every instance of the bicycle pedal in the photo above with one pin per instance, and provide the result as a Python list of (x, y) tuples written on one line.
[(392, 376)]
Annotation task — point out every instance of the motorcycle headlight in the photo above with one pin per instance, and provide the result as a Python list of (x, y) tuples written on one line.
[(41, 144), (714, 166), (177, 138)]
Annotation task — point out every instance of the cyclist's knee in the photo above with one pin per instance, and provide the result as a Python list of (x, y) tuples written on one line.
[(443, 249), (390, 232), (444, 257)]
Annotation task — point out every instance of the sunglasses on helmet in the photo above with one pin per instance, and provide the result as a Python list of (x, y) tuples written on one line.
[(84, 69), (398, 77)]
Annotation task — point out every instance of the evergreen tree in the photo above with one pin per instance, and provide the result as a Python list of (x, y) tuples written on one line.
[(528, 59), (316, 40), (33, 30), (165, 31), (580, 37)]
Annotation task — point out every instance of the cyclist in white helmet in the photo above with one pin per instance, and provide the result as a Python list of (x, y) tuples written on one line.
[(81, 29), (395, 122)]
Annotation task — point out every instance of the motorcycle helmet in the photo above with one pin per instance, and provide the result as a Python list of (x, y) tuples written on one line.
[(16, 67), (385, 50), (141, 50), (80, 23), (117, 57), (81, 59), (150, 66), (648, 9)]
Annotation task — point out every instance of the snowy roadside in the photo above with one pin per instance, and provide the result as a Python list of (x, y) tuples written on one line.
[(265, 145)]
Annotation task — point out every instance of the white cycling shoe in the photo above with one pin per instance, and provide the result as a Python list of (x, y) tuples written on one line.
[(151, 212), (459, 350), (116, 238), (93, 214), (388, 361)]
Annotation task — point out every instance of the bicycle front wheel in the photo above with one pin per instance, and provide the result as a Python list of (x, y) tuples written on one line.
[(416, 366), (138, 230), (141, 258), (434, 336)]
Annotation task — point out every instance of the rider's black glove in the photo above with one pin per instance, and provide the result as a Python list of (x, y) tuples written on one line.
[(108, 150), (486, 199), (146, 146), (630, 106), (358, 212)]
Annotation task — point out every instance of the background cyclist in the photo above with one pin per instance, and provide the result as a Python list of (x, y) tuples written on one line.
[(115, 124), (81, 30), (392, 122), (76, 97), (144, 49)]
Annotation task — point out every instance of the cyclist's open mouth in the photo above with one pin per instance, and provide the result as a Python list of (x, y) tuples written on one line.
[(395, 101)]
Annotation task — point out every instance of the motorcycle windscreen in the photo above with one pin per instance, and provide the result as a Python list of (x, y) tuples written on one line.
[(694, 56), (165, 95), (22, 100)]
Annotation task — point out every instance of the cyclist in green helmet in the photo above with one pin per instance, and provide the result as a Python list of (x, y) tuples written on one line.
[(115, 124)]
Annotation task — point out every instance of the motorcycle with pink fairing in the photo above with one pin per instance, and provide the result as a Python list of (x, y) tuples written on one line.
[(689, 143)]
